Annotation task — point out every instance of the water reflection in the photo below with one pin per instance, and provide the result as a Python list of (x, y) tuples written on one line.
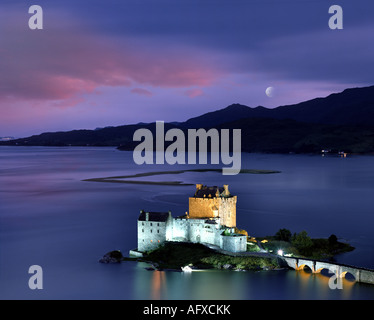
[(231, 285), (211, 284), (158, 285)]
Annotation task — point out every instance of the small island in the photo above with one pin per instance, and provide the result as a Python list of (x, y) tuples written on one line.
[(263, 253), (206, 237), (175, 256)]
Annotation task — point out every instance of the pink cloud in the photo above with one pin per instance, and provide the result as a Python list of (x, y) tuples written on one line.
[(61, 64), (193, 93), (142, 92)]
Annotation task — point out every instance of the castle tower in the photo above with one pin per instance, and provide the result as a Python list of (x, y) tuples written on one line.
[(213, 202)]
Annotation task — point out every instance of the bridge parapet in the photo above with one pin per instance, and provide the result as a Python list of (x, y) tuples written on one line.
[(360, 274), (319, 265), (290, 262)]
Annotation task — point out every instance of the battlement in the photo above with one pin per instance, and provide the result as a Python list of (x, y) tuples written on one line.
[(212, 192)]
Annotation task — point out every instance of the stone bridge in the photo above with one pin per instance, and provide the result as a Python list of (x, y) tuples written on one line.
[(360, 274)]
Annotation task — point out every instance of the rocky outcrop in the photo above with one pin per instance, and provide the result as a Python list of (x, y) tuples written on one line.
[(112, 257)]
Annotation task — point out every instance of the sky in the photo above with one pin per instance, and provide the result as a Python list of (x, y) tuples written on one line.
[(102, 63)]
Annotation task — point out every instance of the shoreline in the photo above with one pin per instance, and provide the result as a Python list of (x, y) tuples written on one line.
[(174, 256)]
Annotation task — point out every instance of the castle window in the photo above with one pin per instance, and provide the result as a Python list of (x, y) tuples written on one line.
[(158, 224), (158, 241), (142, 230), (151, 224), (158, 231), (151, 230)]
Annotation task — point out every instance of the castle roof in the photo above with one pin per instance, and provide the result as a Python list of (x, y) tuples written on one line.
[(153, 216), (208, 192), (211, 192)]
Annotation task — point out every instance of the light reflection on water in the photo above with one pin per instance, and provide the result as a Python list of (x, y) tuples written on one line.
[(230, 285), (49, 216)]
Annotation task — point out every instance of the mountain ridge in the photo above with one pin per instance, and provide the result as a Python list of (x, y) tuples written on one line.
[(339, 121)]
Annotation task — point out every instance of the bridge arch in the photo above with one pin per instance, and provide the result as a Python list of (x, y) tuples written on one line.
[(322, 270), (348, 276), (304, 267)]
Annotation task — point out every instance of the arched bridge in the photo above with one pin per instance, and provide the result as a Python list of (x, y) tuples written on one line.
[(360, 274)]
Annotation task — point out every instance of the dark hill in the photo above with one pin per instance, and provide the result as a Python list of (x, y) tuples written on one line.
[(231, 113), (341, 121), (350, 107)]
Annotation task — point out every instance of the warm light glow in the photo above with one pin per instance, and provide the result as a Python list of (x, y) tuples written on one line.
[(280, 252)]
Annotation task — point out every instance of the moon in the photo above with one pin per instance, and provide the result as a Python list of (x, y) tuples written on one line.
[(269, 92)]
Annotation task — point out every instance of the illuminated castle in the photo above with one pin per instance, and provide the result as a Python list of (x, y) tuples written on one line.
[(211, 220), (213, 202)]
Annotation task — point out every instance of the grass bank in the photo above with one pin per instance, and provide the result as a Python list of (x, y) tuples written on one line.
[(174, 255), (301, 245)]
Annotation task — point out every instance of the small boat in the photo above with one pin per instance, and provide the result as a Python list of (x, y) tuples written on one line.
[(187, 269)]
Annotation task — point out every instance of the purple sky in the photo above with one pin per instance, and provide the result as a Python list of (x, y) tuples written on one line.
[(101, 63)]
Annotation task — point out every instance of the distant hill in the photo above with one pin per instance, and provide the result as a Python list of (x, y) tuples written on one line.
[(350, 107), (341, 121), (231, 113)]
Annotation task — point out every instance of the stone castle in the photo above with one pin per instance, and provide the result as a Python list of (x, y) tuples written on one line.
[(211, 220)]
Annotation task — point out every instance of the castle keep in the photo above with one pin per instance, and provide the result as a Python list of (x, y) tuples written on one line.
[(213, 202), (211, 219)]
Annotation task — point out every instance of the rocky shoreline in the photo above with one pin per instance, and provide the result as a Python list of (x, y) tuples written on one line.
[(192, 257)]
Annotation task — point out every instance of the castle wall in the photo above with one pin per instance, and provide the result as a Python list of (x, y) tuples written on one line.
[(197, 231), (201, 232), (234, 243), (204, 208), (227, 211), (151, 234), (181, 230)]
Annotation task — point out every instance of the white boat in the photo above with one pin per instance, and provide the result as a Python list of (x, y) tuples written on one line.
[(187, 269)]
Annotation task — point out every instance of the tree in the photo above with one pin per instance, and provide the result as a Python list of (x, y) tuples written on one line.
[(333, 240), (283, 235), (303, 242)]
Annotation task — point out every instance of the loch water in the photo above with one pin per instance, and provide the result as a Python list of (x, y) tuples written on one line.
[(52, 218)]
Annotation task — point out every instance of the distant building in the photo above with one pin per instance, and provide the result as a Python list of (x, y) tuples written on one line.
[(7, 138), (211, 219)]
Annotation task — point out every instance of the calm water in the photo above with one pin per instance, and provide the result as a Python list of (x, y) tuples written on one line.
[(50, 217)]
